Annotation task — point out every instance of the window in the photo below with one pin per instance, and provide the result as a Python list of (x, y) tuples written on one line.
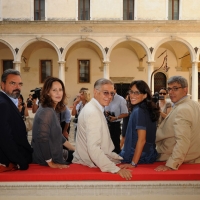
[(7, 64), (173, 10), (45, 69), (84, 71), (128, 10), (39, 9), (84, 9)]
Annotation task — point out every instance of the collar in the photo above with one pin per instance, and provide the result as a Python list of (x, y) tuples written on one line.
[(180, 100), (15, 101), (99, 105)]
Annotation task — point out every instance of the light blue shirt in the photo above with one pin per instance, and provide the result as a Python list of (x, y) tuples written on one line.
[(179, 100), (118, 106), (66, 115)]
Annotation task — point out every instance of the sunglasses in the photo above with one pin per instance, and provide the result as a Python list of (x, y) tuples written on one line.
[(162, 93), (106, 93)]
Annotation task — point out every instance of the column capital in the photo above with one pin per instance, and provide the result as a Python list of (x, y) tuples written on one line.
[(151, 62), (61, 62), (17, 62), (106, 62), (195, 62)]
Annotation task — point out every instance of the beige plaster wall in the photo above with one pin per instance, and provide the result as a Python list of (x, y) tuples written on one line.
[(151, 10), (61, 9), (123, 63), (71, 76), (106, 9), (190, 10), (16, 10), (99, 10)]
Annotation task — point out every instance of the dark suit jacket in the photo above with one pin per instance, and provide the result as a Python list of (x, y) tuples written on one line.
[(14, 146)]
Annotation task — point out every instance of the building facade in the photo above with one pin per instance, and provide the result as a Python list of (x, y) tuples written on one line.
[(80, 41)]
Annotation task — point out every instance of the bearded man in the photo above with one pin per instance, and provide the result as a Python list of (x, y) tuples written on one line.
[(15, 151)]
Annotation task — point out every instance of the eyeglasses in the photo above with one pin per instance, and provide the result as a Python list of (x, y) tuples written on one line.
[(135, 93), (106, 93), (173, 89), (14, 84), (162, 93)]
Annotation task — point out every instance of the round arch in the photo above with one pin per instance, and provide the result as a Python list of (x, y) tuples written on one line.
[(125, 40), (26, 44), (169, 39), (67, 47), (9, 46)]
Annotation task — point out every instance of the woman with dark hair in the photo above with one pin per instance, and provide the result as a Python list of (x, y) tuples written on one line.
[(47, 138), (139, 146), (22, 107), (165, 107)]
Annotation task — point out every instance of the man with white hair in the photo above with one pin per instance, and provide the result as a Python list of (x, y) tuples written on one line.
[(94, 147)]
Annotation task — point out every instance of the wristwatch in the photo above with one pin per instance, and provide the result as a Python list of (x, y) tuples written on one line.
[(134, 164)]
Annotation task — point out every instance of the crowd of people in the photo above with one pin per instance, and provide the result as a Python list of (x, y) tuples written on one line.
[(164, 131)]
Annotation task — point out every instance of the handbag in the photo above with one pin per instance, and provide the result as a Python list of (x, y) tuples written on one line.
[(28, 123)]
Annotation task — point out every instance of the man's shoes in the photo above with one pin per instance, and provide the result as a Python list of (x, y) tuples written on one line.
[(11, 167)]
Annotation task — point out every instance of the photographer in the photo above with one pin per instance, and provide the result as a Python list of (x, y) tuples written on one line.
[(35, 99), (35, 105), (29, 101), (165, 107), (22, 107), (115, 112)]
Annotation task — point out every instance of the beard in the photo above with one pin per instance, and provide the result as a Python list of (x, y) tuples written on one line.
[(15, 94)]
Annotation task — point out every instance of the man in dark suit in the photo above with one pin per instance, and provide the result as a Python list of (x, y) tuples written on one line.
[(15, 151)]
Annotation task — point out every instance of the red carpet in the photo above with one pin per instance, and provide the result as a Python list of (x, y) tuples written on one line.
[(82, 173)]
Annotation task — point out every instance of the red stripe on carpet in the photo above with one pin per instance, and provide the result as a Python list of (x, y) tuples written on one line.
[(77, 172)]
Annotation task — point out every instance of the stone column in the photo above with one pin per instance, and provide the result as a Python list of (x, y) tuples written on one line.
[(150, 71), (17, 65), (195, 81), (62, 71), (106, 73)]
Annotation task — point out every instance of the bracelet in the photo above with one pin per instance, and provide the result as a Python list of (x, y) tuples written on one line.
[(134, 164)]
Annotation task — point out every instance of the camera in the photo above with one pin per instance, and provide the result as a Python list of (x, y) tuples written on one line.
[(109, 114), (156, 97), (36, 93)]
